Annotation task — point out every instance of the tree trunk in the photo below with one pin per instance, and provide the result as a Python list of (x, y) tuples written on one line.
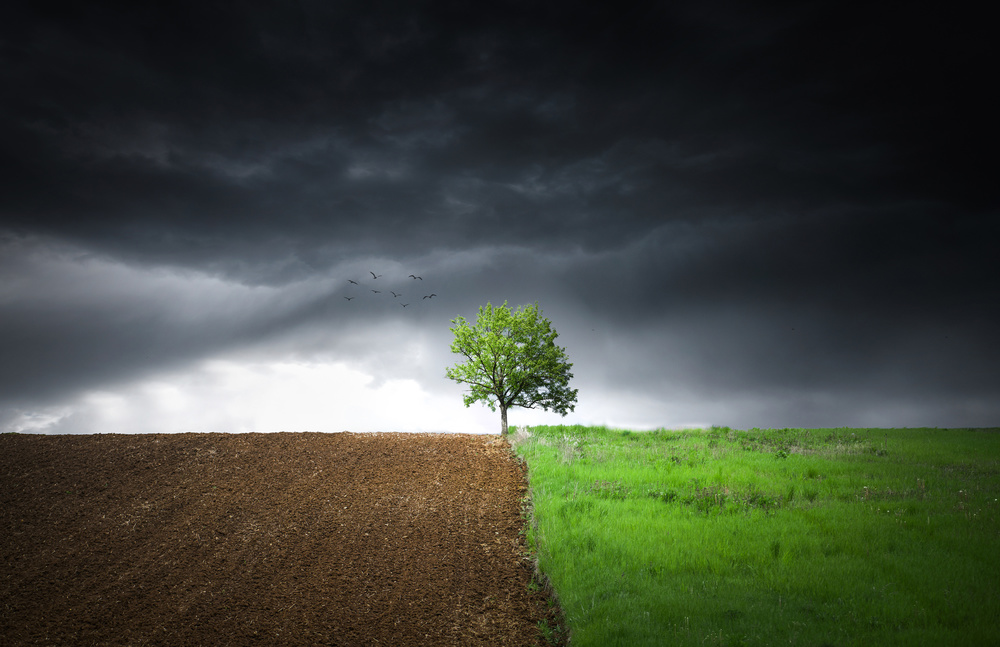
[(503, 420)]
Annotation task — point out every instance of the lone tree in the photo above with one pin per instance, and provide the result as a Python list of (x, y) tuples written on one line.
[(512, 361)]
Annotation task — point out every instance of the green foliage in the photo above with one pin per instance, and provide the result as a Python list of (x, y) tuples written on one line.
[(694, 537), (512, 360)]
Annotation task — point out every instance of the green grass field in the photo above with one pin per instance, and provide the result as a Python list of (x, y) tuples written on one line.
[(768, 537)]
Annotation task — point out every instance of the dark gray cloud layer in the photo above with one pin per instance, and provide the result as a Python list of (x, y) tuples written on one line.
[(759, 200)]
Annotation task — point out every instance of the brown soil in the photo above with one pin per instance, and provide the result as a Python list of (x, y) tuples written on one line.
[(264, 539)]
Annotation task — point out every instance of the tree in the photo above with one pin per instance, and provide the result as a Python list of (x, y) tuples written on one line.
[(512, 361)]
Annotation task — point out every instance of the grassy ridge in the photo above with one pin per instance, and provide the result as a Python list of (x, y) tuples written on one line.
[(765, 537)]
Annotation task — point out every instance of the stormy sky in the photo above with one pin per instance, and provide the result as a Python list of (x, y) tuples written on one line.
[(742, 214)]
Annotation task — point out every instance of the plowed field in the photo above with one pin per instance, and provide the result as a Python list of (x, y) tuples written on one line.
[(264, 539)]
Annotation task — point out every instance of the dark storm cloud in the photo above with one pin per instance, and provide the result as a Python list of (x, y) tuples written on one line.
[(771, 196), (186, 131)]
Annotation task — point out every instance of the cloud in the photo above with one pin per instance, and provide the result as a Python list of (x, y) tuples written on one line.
[(232, 396), (731, 214), (72, 316)]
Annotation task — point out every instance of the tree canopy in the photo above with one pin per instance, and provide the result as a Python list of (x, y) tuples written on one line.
[(512, 360)]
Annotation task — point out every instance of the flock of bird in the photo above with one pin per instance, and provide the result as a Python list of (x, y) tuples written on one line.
[(395, 295)]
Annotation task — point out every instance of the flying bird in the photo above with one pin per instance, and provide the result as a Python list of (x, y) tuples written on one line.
[(430, 296), (404, 304), (395, 295), (416, 277), (350, 281), (377, 291), (373, 274), (348, 298)]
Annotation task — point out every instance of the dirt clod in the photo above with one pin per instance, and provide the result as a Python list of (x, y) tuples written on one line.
[(264, 539)]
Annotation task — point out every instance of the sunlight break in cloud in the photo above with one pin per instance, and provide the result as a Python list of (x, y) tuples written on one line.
[(222, 395)]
